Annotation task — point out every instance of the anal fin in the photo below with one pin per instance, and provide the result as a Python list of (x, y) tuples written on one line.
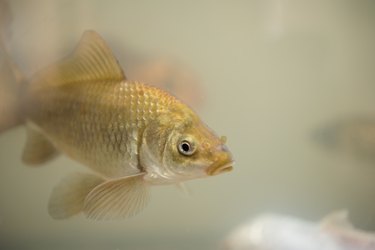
[(38, 149), (117, 199), (67, 198)]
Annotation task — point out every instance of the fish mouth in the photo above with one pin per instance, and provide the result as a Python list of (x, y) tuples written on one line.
[(219, 168)]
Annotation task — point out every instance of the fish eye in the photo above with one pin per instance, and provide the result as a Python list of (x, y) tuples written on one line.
[(186, 148)]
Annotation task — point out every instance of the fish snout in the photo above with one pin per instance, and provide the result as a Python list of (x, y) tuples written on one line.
[(222, 165)]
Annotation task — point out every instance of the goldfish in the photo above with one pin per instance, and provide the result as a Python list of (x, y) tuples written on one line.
[(129, 134)]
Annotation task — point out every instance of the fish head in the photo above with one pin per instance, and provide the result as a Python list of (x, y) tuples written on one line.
[(185, 148)]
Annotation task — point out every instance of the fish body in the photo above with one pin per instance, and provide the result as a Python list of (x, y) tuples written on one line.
[(130, 134)]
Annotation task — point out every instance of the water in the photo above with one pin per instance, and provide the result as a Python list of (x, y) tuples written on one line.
[(268, 73)]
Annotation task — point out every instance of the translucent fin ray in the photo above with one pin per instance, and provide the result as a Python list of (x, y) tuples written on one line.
[(67, 198), (117, 199), (92, 60)]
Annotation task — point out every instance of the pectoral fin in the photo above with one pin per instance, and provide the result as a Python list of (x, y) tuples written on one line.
[(117, 199), (67, 198), (38, 148)]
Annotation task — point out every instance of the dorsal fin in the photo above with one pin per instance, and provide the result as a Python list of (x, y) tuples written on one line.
[(92, 60)]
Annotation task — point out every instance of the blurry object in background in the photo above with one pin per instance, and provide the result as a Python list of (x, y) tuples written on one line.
[(10, 77), (338, 226), (5, 19), (277, 232), (10, 82), (352, 136), (168, 74)]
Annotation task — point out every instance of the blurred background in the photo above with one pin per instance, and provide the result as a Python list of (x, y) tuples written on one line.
[(290, 83)]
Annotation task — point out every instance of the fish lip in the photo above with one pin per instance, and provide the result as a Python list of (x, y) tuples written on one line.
[(217, 168)]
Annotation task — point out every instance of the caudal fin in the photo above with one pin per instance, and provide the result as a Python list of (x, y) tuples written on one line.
[(10, 77)]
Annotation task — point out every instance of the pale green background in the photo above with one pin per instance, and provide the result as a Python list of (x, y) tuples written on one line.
[(272, 72)]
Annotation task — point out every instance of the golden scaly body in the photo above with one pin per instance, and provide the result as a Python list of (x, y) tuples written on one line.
[(99, 123)]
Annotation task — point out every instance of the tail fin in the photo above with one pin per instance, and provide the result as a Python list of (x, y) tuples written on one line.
[(10, 77)]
